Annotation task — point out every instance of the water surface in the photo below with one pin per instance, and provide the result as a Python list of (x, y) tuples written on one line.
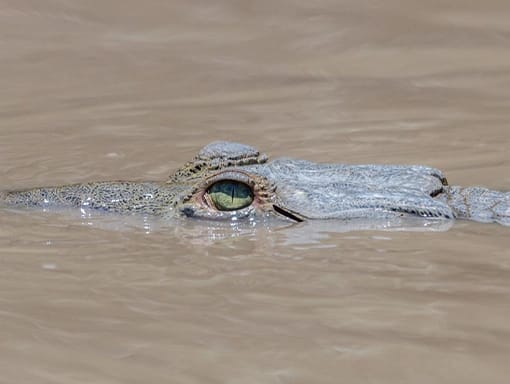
[(103, 90)]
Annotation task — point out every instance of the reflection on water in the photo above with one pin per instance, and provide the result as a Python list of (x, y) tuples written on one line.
[(203, 232), (306, 234), (110, 90)]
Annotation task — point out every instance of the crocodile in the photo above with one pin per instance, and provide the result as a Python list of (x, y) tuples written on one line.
[(231, 181)]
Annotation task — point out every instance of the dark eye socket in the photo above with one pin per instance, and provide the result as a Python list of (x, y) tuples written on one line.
[(230, 195)]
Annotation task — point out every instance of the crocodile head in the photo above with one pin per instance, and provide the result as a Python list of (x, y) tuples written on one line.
[(230, 180)]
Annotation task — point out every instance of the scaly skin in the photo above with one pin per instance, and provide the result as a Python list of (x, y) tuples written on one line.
[(294, 189)]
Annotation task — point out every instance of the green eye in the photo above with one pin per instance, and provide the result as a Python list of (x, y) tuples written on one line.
[(229, 195)]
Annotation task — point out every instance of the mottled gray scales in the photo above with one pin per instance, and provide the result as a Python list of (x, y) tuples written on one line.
[(119, 197), (480, 204), (287, 188)]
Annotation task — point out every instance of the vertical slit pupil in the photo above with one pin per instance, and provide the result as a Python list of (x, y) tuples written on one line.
[(230, 195)]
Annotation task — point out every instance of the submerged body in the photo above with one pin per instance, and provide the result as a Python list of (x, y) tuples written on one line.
[(231, 180)]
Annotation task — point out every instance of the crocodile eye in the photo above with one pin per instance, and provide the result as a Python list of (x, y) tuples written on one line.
[(230, 195)]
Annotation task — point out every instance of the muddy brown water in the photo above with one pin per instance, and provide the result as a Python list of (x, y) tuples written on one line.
[(107, 89)]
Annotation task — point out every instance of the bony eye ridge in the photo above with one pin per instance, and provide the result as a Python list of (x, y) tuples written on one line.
[(230, 195)]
